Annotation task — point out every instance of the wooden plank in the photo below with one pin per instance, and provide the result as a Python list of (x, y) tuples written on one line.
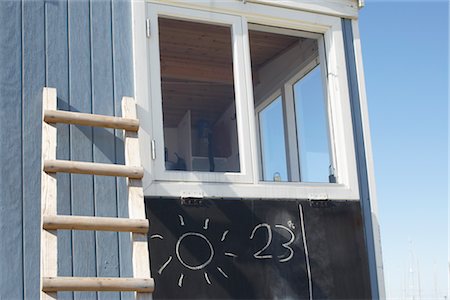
[(369, 157), (184, 69), (80, 167), (59, 116), (136, 207), (81, 148), (11, 283), (57, 76), (33, 66), (53, 284), (123, 85), (361, 159), (49, 239), (95, 223), (107, 248)]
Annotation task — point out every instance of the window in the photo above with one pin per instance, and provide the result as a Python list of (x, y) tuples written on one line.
[(243, 100), (198, 97), (293, 125), (313, 141), (272, 141)]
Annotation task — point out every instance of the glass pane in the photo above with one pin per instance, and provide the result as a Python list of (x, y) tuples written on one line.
[(273, 151), (303, 146), (199, 112), (311, 117)]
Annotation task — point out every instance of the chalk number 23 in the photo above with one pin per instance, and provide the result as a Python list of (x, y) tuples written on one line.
[(286, 245)]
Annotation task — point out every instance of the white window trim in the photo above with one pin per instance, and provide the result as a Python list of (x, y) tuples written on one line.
[(342, 8), (284, 89), (289, 92), (338, 98), (160, 173), (339, 8)]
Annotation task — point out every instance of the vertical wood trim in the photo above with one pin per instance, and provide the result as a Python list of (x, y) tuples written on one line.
[(48, 194), (361, 160), (136, 207), (369, 157)]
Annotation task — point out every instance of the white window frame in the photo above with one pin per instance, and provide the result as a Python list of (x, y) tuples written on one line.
[(247, 183), (284, 88), (160, 173)]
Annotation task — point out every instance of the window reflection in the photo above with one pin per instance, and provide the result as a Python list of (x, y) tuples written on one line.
[(311, 117), (273, 152)]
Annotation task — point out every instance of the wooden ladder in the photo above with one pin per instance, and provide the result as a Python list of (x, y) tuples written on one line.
[(141, 283)]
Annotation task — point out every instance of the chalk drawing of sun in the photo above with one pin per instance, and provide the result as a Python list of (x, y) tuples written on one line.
[(201, 242)]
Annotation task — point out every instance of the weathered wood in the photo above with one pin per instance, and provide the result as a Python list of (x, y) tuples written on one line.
[(48, 195), (79, 167), (54, 284), (136, 207), (95, 223), (70, 117)]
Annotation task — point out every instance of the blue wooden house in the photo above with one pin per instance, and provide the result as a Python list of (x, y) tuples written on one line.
[(243, 128)]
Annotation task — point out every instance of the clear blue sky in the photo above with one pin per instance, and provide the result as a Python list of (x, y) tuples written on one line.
[(406, 56)]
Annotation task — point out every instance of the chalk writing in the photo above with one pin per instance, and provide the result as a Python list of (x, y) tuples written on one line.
[(286, 245), (257, 254), (177, 250), (164, 265)]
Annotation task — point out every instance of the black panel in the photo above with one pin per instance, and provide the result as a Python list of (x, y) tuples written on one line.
[(255, 249)]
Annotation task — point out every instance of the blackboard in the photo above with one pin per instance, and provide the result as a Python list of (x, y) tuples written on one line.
[(257, 249)]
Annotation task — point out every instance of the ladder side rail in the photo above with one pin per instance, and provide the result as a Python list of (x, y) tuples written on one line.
[(136, 207), (49, 260)]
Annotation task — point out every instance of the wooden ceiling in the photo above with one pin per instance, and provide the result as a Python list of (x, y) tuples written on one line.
[(197, 67)]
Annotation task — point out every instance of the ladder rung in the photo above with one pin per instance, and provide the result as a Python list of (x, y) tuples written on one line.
[(80, 167), (95, 223), (70, 117), (56, 284)]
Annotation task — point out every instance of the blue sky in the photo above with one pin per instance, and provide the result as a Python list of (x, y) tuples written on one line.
[(406, 56)]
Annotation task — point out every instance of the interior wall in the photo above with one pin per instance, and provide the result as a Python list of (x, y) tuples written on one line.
[(83, 49)]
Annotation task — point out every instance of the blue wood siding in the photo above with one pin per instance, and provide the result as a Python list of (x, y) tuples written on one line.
[(84, 50), (11, 139)]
